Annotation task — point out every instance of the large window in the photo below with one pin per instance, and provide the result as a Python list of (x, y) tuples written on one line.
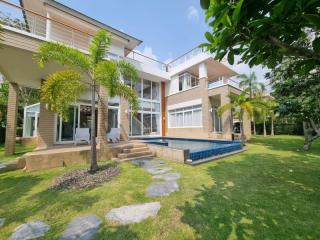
[(217, 123), (147, 120), (187, 81), (186, 117)]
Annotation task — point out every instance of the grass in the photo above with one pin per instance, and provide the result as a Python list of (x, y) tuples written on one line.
[(20, 150), (271, 191)]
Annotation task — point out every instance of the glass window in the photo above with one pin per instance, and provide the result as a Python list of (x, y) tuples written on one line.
[(146, 124), (187, 81), (146, 106), (68, 128), (146, 89), (155, 124), (186, 117), (138, 88), (155, 91), (136, 124), (155, 107), (112, 118)]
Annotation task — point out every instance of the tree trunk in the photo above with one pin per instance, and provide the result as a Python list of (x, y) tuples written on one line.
[(254, 126), (241, 130), (307, 138), (272, 127), (264, 127), (103, 122), (94, 165)]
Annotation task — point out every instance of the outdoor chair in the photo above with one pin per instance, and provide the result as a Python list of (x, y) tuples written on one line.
[(114, 135), (82, 135)]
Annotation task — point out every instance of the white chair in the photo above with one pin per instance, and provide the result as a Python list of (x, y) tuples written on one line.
[(114, 135), (82, 135)]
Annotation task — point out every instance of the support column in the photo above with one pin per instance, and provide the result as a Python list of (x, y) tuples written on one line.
[(12, 112), (226, 117), (47, 126), (124, 119), (103, 122), (163, 109), (206, 115), (247, 126), (48, 27)]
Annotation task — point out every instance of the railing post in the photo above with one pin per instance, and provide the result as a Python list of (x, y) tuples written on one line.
[(48, 27)]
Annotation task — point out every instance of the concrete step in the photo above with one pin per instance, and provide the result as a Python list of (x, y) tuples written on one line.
[(134, 145), (134, 154), (134, 158), (135, 150)]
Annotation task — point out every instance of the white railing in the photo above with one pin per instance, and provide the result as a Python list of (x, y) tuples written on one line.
[(185, 57), (45, 28), (222, 82)]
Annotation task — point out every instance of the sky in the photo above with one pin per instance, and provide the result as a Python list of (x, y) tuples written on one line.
[(168, 28)]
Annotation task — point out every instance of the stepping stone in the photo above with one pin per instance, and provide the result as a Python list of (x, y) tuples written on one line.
[(133, 213), (82, 228), (2, 220), (162, 189), (30, 230), (156, 171), (148, 163), (168, 176)]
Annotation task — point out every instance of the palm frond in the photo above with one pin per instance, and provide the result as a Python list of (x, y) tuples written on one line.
[(127, 70), (225, 108), (99, 46), (60, 90), (247, 107), (64, 55), (107, 74), (1, 33)]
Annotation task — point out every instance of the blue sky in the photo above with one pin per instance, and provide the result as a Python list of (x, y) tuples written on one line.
[(168, 28)]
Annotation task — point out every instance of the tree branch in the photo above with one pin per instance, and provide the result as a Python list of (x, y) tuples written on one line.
[(295, 51)]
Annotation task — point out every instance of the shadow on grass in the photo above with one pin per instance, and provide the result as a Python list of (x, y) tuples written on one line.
[(263, 197), (116, 233)]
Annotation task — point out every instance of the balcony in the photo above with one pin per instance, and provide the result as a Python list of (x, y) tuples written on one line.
[(222, 82), (17, 19)]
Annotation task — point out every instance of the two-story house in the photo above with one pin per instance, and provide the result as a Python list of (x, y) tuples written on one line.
[(179, 99)]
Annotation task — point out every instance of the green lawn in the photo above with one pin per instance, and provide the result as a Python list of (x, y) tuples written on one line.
[(271, 191), (20, 150)]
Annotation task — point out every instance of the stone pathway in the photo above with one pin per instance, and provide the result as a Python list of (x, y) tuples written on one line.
[(133, 213), (82, 228), (162, 189), (30, 230), (167, 184), (86, 227)]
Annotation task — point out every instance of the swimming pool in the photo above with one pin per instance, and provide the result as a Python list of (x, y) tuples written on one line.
[(197, 148)]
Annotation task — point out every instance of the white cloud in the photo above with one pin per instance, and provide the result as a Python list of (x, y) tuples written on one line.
[(193, 13)]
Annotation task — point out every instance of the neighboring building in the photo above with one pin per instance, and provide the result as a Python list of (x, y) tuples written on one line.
[(179, 99)]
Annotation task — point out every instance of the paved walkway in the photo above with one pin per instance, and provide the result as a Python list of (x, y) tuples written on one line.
[(85, 227)]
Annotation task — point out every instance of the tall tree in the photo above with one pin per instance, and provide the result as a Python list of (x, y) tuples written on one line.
[(298, 97), (92, 71), (264, 32), (254, 89), (239, 104)]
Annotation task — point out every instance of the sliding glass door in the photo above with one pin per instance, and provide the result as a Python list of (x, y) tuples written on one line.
[(80, 116)]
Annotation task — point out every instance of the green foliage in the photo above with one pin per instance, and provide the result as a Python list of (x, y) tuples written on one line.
[(298, 97), (61, 90), (1, 34), (98, 46), (263, 32), (64, 55)]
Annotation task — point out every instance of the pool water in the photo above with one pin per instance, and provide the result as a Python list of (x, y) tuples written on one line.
[(198, 148)]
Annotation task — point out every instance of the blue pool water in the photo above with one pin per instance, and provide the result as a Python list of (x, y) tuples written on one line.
[(198, 148)]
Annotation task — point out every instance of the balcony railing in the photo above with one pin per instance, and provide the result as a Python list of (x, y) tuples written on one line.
[(221, 82), (31, 23)]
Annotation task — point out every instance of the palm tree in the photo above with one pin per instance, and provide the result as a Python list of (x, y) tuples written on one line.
[(239, 104), (254, 89), (92, 71)]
